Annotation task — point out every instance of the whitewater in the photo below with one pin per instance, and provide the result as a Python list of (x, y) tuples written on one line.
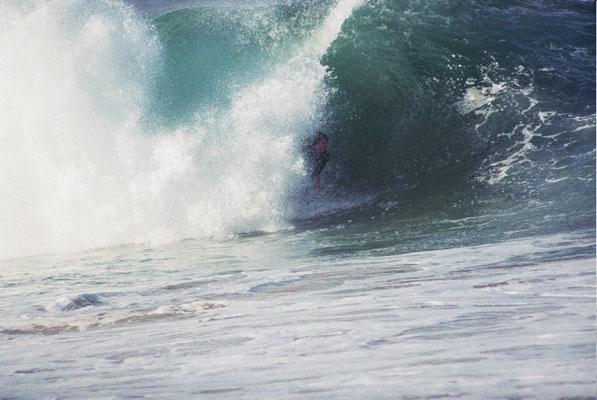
[(160, 236), (82, 170)]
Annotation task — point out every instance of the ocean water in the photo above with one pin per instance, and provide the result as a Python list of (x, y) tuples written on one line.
[(160, 238)]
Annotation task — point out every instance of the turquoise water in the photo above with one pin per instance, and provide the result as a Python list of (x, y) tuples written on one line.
[(160, 236)]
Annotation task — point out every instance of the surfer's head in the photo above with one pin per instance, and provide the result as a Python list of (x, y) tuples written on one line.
[(321, 141)]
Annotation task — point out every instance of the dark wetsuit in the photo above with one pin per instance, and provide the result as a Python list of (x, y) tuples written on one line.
[(319, 161)]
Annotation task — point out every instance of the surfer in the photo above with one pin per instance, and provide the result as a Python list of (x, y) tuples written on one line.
[(319, 156)]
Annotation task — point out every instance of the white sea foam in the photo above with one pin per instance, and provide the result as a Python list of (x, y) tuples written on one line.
[(276, 322), (79, 169)]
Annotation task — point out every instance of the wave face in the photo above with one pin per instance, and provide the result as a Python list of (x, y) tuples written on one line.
[(121, 128), (429, 93)]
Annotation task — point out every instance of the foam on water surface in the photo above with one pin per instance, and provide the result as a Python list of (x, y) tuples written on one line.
[(513, 319)]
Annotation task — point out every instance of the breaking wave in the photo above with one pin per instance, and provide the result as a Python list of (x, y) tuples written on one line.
[(118, 128)]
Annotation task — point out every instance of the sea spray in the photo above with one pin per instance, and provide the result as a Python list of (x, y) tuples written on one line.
[(82, 169), (74, 82)]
